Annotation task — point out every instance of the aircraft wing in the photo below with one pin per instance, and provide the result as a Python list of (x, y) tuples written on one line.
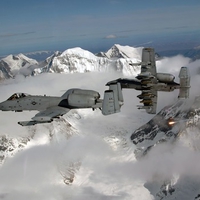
[(154, 102), (148, 64), (50, 113), (46, 116)]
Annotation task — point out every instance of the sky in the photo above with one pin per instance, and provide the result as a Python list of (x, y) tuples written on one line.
[(28, 26)]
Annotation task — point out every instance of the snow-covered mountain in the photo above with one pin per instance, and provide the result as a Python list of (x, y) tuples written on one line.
[(157, 132), (75, 60), (117, 51), (86, 155), (12, 64)]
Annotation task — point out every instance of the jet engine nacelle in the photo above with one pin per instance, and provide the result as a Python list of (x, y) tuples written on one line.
[(164, 77), (80, 100), (75, 98), (77, 91), (92, 93), (143, 75)]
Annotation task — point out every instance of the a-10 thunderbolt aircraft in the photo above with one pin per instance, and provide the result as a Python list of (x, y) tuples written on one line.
[(150, 82), (53, 107)]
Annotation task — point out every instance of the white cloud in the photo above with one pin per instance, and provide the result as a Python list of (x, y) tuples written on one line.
[(172, 65), (110, 36)]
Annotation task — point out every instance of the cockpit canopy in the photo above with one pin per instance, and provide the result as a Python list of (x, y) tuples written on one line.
[(18, 96)]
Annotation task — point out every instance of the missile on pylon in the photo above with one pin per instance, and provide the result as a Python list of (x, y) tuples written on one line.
[(145, 96), (147, 101)]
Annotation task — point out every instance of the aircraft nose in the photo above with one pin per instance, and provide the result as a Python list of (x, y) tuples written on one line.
[(2, 106)]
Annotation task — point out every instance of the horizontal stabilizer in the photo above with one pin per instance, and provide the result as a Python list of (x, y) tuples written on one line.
[(30, 123)]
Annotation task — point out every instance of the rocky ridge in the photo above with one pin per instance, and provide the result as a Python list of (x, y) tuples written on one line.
[(157, 132)]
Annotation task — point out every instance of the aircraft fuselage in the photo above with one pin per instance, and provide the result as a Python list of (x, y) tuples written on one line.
[(30, 103), (72, 99)]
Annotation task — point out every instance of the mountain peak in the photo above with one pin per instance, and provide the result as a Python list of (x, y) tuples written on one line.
[(118, 51), (79, 52), (18, 60), (13, 63)]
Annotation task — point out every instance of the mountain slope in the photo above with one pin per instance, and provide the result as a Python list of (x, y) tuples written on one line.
[(12, 64), (158, 139)]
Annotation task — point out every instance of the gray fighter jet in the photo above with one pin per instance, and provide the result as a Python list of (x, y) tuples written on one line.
[(53, 107), (149, 82)]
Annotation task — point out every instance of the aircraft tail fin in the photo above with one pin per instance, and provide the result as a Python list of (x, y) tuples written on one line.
[(113, 99), (184, 76), (148, 61)]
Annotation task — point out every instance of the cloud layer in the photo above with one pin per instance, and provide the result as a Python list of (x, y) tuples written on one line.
[(101, 143)]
